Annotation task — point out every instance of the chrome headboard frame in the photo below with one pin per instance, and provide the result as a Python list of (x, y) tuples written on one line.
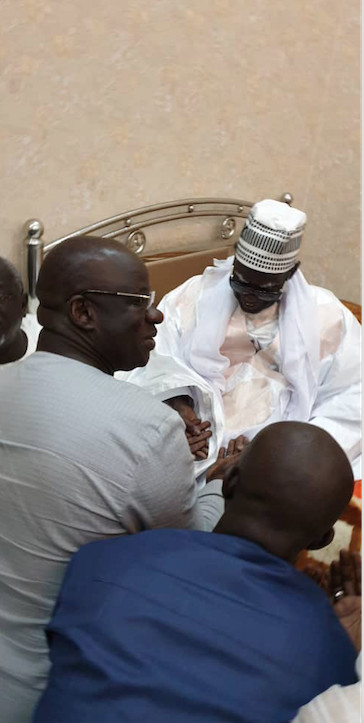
[(128, 228)]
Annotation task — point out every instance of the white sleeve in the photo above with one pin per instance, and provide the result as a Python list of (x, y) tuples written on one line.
[(338, 403), (339, 704), (165, 490)]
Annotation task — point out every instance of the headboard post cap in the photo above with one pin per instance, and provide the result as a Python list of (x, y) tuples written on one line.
[(287, 198), (33, 228)]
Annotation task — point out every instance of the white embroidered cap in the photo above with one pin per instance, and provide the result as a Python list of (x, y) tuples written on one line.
[(271, 238)]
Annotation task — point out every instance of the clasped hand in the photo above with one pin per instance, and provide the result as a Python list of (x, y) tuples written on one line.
[(198, 434), (197, 431)]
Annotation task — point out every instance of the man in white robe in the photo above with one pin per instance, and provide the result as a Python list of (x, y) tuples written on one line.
[(249, 342)]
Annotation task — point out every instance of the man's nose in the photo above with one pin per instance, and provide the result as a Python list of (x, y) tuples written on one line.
[(154, 315)]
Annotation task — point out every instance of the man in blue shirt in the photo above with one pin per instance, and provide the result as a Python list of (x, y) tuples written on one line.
[(170, 626)]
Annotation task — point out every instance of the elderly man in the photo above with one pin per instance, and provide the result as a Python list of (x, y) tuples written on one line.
[(83, 457), (180, 626), (250, 342), (18, 330)]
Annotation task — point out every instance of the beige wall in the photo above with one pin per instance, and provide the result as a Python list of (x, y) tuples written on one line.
[(111, 105)]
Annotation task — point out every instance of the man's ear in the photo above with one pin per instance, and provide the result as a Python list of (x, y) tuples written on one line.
[(293, 271), (323, 541), (82, 312), (230, 481)]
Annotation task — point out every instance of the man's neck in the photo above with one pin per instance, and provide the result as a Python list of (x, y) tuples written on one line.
[(274, 542), (55, 343), (15, 349)]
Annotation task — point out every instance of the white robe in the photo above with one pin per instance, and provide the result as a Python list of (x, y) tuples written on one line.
[(32, 329), (311, 375)]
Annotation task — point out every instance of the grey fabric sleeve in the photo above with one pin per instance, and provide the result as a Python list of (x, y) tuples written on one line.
[(212, 503), (165, 490)]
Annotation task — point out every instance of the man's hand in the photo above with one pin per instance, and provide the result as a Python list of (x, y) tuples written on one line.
[(198, 439), (345, 577), (348, 610), (227, 457), (345, 574), (342, 582), (197, 432)]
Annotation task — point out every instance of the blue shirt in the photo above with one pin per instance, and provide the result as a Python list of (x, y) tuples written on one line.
[(172, 626)]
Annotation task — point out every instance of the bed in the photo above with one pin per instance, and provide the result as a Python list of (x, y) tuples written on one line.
[(176, 239)]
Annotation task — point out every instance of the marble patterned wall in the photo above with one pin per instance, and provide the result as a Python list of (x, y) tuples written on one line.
[(114, 105)]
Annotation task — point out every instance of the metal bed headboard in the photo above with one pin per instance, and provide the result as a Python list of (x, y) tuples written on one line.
[(130, 227)]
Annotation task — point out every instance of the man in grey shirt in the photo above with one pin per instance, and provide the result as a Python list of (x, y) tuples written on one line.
[(82, 456)]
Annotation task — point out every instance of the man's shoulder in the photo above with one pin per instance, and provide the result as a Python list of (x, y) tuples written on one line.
[(324, 296), (78, 384), (159, 411), (122, 399), (330, 309), (332, 313), (146, 542), (159, 548)]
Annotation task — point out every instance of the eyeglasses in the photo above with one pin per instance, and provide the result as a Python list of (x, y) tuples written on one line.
[(243, 288), (144, 301)]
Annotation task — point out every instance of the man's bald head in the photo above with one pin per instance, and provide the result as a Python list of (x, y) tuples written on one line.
[(13, 302), (80, 263), (93, 304), (10, 278), (292, 484)]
